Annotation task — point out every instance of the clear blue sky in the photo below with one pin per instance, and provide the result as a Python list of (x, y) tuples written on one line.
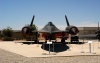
[(18, 13)]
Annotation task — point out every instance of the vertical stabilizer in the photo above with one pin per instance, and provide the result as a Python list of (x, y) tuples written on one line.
[(67, 21), (32, 21)]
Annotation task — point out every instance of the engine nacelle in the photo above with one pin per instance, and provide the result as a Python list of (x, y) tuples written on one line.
[(26, 31), (72, 30)]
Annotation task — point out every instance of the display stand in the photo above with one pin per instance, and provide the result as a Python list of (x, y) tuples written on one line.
[(49, 43), (89, 42)]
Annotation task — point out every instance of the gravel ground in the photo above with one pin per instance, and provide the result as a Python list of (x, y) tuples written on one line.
[(8, 57)]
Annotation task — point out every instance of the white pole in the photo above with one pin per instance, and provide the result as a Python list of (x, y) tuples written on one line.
[(49, 48), (82, 46), (93, 49), (90, 47)]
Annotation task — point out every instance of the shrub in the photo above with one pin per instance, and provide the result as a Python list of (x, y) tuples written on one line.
[(7, 34)]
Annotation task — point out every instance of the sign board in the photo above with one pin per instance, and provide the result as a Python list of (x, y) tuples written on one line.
[(89, 41), (49, 42)]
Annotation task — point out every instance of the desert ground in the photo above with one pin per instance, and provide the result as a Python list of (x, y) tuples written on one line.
[(12, 52)]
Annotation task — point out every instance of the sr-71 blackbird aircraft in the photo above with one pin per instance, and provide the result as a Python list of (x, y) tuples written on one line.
[(29, 30), (51, 32)]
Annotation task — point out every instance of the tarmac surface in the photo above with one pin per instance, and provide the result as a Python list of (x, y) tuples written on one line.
[(12, 52), (9, 57), (47, 50)]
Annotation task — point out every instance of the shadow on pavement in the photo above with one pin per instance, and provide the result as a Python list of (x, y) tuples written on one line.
[(77, 42), (28, 43), (55, 47)]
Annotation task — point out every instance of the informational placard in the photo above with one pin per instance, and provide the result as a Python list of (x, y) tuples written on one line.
[(89, 41), (49, 42)]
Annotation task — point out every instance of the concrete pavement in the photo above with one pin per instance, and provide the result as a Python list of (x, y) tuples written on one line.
[(36, 50)]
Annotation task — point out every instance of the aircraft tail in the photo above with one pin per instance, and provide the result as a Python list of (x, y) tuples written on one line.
[(32, 21), (67, 21)]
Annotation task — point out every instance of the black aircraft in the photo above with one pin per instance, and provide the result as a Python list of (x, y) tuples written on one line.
[(50, 31), (30, 30), (72, 30)]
